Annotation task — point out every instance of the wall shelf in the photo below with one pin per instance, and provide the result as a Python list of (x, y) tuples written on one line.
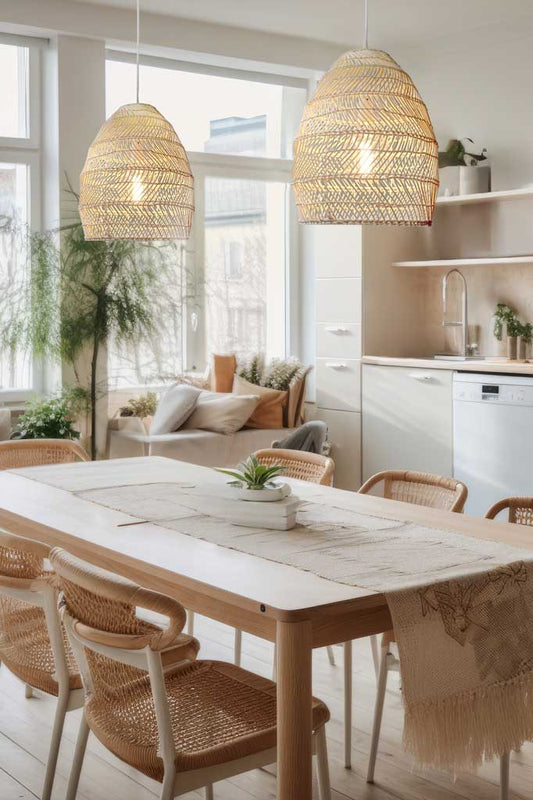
[(486, 197), (467, 262)]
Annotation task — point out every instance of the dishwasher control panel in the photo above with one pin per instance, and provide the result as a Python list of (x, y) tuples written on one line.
[(491, 391)]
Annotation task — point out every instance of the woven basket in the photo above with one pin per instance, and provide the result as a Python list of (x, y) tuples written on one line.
[(137, 181), (366, 151)]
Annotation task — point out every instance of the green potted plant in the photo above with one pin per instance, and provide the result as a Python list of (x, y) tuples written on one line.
[(143, 407), (46, 418), (460, 171), (256, 482)]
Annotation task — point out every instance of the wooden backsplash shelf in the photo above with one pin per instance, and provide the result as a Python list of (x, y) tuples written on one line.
[(467, 262)]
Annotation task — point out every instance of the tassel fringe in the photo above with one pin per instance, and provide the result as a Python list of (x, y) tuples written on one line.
[(458, 733)]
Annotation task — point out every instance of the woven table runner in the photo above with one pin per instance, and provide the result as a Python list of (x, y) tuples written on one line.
[(462, 608)]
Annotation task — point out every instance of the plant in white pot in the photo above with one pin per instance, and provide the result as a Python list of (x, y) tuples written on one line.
[(256, 482), (460, 171)]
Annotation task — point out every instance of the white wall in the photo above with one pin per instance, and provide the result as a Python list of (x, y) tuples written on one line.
[(480, 85)]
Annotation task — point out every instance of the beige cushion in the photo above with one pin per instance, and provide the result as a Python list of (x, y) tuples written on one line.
[(175, 406), (269, 411), (222, 413)]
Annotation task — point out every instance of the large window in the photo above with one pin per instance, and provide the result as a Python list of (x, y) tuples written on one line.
[(19, 199), (236, 269)]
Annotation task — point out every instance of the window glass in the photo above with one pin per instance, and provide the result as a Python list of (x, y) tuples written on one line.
[(245, 266), (13, 108), (15, 366), (210, 113)]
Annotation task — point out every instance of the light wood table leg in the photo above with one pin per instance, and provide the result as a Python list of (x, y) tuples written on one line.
[(294, 699)]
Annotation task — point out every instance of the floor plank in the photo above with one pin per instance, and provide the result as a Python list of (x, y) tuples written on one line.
[(25, 728)]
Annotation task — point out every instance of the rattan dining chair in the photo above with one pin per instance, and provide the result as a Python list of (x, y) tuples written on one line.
[(421, 489), (33, 644), (520, 510), (17, 453), (311, 467), (183, 722)]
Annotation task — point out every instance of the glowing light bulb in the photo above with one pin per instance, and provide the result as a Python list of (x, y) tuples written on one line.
[(366, 157), (137, 189)]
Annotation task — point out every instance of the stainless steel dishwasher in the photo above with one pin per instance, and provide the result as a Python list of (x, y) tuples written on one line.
[(492, 437)]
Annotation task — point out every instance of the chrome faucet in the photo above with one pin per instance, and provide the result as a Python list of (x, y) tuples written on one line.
[(464, 301)]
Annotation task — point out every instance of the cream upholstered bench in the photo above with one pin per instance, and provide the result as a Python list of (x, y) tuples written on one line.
[(207, 448)]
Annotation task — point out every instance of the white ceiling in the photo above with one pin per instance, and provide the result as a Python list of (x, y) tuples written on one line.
[(391, 21)]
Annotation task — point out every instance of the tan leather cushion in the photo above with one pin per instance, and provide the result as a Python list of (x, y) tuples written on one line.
[(221, 412), (269, 411), (223, 371)]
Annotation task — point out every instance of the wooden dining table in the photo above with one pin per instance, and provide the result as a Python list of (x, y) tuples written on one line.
[(292, 607)]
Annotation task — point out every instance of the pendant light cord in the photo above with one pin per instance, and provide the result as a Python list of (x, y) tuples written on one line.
[(138, 42), (366, 23)]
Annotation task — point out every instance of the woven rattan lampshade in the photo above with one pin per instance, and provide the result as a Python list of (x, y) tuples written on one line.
[(365, 151), (137, 181)]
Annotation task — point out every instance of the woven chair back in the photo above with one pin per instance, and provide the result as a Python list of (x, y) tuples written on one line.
[(420, 488), (310, 467), (36, 452), (520, 510), (25, 646)]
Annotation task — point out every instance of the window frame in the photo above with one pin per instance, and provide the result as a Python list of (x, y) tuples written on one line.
[(274, 170), (26, 150)]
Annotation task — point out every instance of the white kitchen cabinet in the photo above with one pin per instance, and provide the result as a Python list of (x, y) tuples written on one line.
[(407, 419), (338, 300), (338, 341), (344, 433), (338, 384)]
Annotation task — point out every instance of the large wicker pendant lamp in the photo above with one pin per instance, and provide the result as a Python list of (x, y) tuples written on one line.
[(137, 181), (365, 151)]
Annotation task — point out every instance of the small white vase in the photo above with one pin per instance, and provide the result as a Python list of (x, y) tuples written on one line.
[(266, 495)]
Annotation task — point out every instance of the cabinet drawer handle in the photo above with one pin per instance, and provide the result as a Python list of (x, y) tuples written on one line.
[(421, 376), (333, 329), (336, 365)]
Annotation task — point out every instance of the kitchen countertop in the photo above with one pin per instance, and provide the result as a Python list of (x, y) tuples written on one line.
[(488, 365)]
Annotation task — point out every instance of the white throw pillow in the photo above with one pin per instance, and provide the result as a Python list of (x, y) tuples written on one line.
[(175, 406), (221, 412)]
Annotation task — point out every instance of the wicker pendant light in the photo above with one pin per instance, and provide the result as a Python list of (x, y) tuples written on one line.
[(365, 151), (137, 181)]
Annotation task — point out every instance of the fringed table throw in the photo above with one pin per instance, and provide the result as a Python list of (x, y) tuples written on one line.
[(462, 607)]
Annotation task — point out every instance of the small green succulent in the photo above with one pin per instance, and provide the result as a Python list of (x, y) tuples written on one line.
[(252, 474)]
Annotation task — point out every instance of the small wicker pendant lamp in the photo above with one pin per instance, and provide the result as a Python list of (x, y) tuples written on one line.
[(365, 151), (137, 181)]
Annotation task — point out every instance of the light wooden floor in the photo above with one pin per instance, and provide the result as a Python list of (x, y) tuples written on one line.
[(25, 727)]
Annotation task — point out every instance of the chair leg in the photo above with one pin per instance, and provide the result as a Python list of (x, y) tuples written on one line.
[(190, 623), (348, 677), (167, 789), (77, 761), (504, 776), (209, 792), (28, 691), (275, 663), (55, 742), (375, 654), (378, 714), (322, 764), (331, 655), (237, 648)]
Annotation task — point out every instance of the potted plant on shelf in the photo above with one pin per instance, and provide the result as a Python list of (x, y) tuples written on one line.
[(143, 407), (254, 481), (459, 169)]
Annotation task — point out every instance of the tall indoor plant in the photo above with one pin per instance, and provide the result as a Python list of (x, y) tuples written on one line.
[(79, 294)]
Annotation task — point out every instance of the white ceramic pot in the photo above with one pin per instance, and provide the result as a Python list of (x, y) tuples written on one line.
[(474, 180), (267, 495)]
